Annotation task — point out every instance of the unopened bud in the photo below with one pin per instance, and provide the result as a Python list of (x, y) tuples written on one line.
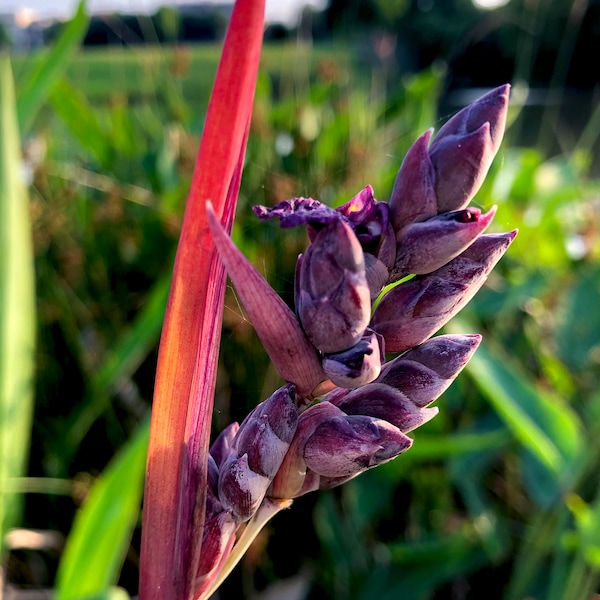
[(345, 446), (385, 402), (218, 538), (414, 310), (221, 447), (428, 245), (290, 480), (259, 448), (464, 148), (413, 196), (267, 431), (332, 296), (358, 365), (425, 372)]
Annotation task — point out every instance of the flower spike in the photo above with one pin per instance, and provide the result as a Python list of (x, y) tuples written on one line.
[(345, 409)]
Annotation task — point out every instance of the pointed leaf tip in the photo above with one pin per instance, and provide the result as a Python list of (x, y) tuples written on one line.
[(294, 357)]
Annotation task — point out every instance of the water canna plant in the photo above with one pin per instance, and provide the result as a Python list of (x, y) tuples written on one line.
[(360, 367)]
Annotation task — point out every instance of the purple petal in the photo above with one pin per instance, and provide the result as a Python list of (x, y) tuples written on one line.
[(298, 211)]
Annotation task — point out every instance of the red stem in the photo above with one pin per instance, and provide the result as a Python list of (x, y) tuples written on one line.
[(175, 494)]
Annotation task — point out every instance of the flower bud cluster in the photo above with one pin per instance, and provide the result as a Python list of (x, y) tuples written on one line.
[(243, 461), (345, 409)]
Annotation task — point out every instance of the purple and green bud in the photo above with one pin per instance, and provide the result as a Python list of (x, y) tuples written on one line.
[(414, 310), (333, 300), (358, 365), (428, 245)]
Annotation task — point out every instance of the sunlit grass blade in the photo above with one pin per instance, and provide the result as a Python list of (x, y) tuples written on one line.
[(47, 70), (540, 421), (102, 530), (126, 356), (17, 304), (72, 106)]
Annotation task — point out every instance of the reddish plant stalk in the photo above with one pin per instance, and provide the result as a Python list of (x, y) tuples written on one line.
[(175, 496)]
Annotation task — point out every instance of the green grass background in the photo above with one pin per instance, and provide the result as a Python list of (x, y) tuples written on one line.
[(499, 496)]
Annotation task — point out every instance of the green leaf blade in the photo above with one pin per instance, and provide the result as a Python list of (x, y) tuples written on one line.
[(102, 530), (17, 304)]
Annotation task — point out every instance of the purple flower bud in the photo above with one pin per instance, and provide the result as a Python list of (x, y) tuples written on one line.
[(292, 475), (241, 490), (382, 401), (358, 365), (260, 446), (413, 195), (221, 447), (425, 372), (218, 538), (413, 311), (464, 148), (345, 446), (428, 245), (267, 431), (332, 296), (331, 446)]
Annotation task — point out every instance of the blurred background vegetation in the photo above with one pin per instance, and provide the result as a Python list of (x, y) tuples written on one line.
[(500, 495)]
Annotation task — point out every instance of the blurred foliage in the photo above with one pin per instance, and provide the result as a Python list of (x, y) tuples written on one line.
[(498, 498)]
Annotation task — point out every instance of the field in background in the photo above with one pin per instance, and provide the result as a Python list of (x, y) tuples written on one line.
[(499, 498)]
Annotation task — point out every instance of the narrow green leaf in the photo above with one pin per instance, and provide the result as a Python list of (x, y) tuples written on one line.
[(72, 106), (102, 529), (539, 420), (17, 304), (127, 354), (48, 70)]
